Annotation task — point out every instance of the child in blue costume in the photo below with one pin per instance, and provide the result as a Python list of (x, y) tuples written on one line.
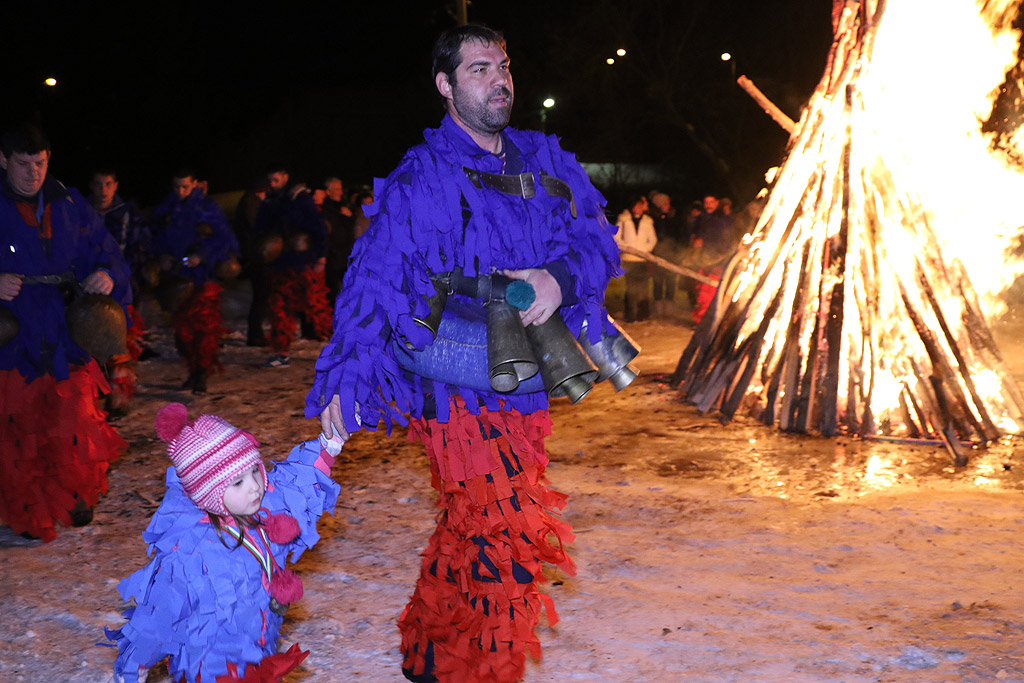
[(213, 595)]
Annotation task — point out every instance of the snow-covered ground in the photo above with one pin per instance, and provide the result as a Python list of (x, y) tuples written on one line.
[(705, 552)]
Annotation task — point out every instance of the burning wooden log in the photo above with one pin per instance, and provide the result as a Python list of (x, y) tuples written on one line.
[(776, 114), (839, 313)]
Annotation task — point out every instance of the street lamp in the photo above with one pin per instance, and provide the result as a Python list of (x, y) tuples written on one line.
[(51, 81), (545, 105), (621, 52), (727, 57)]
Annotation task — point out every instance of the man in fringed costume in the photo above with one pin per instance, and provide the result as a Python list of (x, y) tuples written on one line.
[(191, 237), (297, 285), (457, 203), (55, 445), (132, 236)]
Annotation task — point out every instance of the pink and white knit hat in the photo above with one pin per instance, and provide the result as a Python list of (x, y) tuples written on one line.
[(208, 454)]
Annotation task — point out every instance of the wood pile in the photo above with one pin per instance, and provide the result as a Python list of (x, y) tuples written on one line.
[(839, 313)]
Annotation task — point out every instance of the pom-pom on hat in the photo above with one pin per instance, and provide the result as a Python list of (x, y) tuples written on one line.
[(208, 454)]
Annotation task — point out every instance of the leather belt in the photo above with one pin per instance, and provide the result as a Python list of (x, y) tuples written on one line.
[(483, 287), (55, 279), (522, 185)]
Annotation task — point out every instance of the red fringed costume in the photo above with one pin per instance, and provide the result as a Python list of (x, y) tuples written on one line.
[(121, 368), (473, 615), (199, 326), (294, 292), (476, 603), (61, 447), (55, 444), (136, 330), (705, 293)]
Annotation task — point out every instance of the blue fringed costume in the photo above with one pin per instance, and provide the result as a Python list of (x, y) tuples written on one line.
[(197, 226), (55, 445), (476, 605), (207, 606)]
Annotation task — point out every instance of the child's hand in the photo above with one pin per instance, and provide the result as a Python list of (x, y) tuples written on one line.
[(332, 445), (329, 449)]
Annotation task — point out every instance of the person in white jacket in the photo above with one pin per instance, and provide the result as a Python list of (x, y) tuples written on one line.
[(636, 229)]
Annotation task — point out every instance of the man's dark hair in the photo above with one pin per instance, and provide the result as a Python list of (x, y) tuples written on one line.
[(185, 172), (105, 171), (448, 46), (25, 138), (276, 167)]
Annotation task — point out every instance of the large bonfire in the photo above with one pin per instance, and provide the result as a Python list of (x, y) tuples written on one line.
[(846, 310)]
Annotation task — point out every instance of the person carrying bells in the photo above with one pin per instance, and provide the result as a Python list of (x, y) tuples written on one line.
[(458, 205), (55, 445)]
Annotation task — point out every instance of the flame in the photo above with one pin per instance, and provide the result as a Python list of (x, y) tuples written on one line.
[(933, 76), (853, 287)]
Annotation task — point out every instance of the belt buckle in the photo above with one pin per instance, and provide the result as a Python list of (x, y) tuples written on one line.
[(526, 185)]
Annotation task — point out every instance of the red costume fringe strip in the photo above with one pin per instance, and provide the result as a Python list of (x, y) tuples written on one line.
[(293, 293), (123, 378), (135, 332), (270, 669), (54, 444), (199, 326), (494, 528)]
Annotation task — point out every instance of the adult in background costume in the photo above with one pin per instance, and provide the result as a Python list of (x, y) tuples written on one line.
[(473, 615), (123, 221), (297, 286), (55, 445), (191, 238), (342, 234)]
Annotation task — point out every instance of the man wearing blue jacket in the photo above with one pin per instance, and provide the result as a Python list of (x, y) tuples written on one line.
[(191, 237), (55, 445), (476, 200), (297, 285)]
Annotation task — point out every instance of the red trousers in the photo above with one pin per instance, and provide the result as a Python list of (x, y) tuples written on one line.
[(473, 615), (55, 448), (199, 326), (705, 293), (293, 293)]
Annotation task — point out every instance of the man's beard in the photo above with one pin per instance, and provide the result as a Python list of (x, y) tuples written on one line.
[(479, 115)]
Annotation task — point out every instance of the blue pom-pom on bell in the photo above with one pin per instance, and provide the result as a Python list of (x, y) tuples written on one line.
[(519, 294)]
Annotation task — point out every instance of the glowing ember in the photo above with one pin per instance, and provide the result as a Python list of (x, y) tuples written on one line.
[(849, 307)]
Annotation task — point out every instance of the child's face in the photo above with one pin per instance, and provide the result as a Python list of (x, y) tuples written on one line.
[(244, 495)]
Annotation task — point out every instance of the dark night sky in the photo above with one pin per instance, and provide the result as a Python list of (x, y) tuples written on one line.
[(344, 88)]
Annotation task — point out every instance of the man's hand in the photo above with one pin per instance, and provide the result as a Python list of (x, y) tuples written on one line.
[(10, 285), (331, 422), (98, 283), (549, 294)]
